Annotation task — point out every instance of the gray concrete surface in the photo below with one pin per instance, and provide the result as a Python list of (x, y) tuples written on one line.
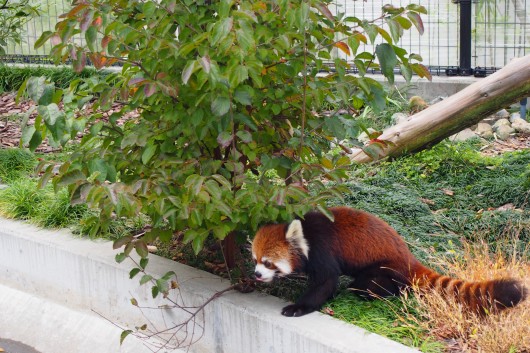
[(10, 346), (52, 283), (440, 86)]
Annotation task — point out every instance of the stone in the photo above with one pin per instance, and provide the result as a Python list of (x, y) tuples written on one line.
[(484, 130), (3, 186), (521, 125), (515, 116), (363, 137), (503, 132), (436, 100), (463, 135), (398, 118), (501, 122), (502, 114)]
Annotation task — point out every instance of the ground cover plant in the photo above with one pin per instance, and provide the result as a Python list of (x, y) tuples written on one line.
[(12, 77), (397, 192)]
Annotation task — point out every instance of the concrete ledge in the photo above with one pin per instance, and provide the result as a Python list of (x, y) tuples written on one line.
[(53, 282)]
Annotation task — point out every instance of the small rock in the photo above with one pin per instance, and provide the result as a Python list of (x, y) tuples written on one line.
[(3, 186), (463, 135), (502, 114), (363, 137), (501, 122), (436, 100), (515, 116), (521, 125), (484, 130), (398, 118), (504, 131)]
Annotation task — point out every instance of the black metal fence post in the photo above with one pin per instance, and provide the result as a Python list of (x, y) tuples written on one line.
[(464, 68), (465, 38)]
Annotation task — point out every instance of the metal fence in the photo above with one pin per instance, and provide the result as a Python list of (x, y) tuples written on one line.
[(461, 36)]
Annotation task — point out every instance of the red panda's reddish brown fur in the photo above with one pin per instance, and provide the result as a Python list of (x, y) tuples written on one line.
[(363, 246)]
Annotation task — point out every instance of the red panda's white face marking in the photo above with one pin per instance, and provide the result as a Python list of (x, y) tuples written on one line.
[(266, 270), (276, 251)]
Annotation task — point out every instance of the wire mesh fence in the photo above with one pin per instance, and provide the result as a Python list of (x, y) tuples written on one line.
[(500, 31)]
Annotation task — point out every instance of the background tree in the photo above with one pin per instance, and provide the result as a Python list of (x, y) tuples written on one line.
[(13, 16), (234, 101)]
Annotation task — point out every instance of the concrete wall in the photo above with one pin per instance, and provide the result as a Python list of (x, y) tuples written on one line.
[(53, 284), (440, 86)]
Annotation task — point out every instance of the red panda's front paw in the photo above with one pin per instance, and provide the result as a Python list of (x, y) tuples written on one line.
[(296, 310)]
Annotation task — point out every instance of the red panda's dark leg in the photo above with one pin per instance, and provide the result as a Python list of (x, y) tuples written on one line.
[(317, 294), (376, 283)]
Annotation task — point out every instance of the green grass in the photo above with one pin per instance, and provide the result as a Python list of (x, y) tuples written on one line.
[(434, 199), (15, 163), (12, 77), (386, 317)]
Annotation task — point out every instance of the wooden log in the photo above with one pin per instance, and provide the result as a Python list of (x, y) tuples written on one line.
[(454, 114)]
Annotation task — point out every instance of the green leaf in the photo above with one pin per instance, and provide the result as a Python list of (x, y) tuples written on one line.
[(403, 22), (242, 96), (141, 248), (220, 106), (155, 291), (395, 29), (189, 69), (148, 153), (36, 140), (197, 244), (143, 262), (421, 70), (387, 59), (120, 257), (326, 212), (415, 18), (121, 242), (225, 139), (194, 183), (145, 279), (123, 335), (245, 136), (91, 36), (71, 177), (134, 272), (417, 8), (221, 29), (239, 75), (44, 37), (35, 87)]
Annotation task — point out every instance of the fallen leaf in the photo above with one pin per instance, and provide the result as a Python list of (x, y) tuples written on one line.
[(448, 192), (427, 201), (327, 310)]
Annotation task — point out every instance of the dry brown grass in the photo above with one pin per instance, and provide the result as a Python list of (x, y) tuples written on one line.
[(504, 332)]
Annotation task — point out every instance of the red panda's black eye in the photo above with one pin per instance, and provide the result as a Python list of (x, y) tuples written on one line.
[(268, 264)]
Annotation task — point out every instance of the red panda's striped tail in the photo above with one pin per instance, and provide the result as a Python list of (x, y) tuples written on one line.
[(497, 294)]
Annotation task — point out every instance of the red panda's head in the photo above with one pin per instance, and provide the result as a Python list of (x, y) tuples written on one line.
[(277, 250)]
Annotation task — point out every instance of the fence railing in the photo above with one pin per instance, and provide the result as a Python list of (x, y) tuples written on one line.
[(462, 37)]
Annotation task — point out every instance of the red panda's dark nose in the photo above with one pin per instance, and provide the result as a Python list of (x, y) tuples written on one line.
[(257, 274)]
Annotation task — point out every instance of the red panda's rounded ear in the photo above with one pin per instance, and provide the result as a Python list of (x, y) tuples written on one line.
[(295, 236), (294, 231)]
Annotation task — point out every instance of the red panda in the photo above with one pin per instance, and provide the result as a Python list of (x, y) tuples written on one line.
[(360, 245)]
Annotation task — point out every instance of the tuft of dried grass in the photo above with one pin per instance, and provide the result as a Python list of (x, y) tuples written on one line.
[(463, 331)]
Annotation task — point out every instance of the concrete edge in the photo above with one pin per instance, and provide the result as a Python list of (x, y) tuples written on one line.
[(63, 279)]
